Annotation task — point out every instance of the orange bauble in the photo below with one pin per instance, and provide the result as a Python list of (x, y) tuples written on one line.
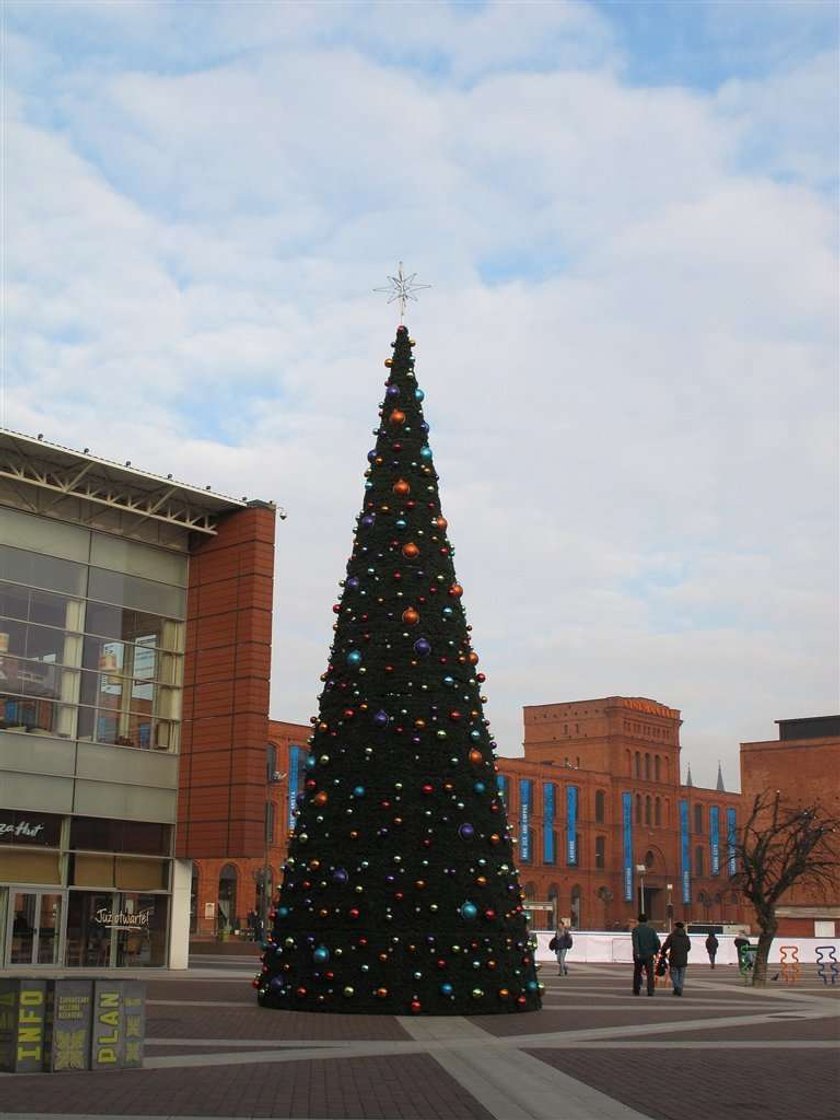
[(410, 550), (476, 757), (410, 616), (401, 488), (397, 417)]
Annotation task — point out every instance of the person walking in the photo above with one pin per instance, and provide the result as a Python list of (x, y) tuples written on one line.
[(712, 948), (677, 947), (645, 947), (563, 943)]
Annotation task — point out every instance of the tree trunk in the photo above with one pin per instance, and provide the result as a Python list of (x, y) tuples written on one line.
[(769, 925)]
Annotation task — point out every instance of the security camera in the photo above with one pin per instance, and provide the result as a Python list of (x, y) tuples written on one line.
[(281, 513)]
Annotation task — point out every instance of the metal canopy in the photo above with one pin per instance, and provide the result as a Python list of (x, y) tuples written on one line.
[(33, 465)]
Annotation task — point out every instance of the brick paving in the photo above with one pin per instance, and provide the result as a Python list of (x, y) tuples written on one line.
[(721, 1051)]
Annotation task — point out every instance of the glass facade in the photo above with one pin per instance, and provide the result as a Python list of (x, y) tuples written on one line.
[(89, 652), (92, 633)]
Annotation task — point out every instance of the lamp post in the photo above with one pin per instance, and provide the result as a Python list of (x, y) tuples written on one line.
[(670, 910), (641, 868)]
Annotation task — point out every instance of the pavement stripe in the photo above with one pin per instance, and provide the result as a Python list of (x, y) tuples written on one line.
[(509, 1084)]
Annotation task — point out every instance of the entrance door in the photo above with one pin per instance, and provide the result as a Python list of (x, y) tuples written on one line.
[(36, 928)]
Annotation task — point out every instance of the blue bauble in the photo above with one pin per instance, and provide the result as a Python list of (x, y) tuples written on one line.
[(371, 455), (425, 451), (354, 659), (446, 989), (469, 911), (358, 791), (419, 395), (321, 955)]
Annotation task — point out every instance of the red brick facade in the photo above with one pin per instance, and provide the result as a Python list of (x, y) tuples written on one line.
[(227, 671), (604, 749), (805, 770)]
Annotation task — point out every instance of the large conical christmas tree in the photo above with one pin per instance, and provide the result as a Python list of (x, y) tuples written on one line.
[(400, 894)]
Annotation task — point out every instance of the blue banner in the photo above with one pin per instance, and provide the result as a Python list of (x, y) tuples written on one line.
[(714, 839), (685, 853), (571, 825), (295, 756), (732, 841), (627, 834), (525, 786), (502, 786), (549, 802)]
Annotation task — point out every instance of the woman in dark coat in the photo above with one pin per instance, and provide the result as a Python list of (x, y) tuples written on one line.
[(677, 947)]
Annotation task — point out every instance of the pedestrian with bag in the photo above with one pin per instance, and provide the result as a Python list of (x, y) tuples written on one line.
[(560, 944), (712, 948), (645, 947), (677, 947)]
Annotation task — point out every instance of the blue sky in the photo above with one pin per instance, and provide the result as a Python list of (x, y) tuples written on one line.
[(628, 215)]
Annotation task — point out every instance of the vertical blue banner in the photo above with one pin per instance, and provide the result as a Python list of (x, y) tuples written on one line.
[(571, 825), (627, 836), (714, 839), (295, 754), (732, 841), (525, 787), (549, 809), (502, 786), (685, 853)]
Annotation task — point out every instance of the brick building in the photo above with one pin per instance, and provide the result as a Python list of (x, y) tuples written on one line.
[(803, 763), (602, 821)]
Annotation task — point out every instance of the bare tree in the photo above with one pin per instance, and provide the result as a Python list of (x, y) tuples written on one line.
[(782, 845)]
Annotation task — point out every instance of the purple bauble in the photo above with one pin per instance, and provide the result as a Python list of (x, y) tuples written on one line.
[(422, 647), (466, 831), (380, 719), (367, 521)]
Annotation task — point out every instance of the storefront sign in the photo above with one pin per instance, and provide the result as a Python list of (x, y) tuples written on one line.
[(122, 919), (23, 1005), (68, 1035), (549, 801), (627, 836), (108, 1028), (571, 825), (685, 853), (525, 786), (29, 828)]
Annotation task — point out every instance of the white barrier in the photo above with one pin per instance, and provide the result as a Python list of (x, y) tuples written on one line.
[(610, 948)]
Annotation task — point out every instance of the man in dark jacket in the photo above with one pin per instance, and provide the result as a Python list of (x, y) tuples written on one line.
[(677, 947), (645, 947), (712, 948)]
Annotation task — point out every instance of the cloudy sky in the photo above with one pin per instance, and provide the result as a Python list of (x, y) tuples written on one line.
[(629, 352)]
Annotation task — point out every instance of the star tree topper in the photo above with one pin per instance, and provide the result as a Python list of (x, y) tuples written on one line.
[(402, 288)]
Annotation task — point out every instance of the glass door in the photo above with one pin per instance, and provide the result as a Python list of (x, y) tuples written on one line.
[(36, 928)]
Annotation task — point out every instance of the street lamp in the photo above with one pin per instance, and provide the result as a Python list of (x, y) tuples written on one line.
[(641, 868), (670, 910)]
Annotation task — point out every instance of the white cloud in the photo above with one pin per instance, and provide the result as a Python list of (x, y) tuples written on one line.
[(629, 351)]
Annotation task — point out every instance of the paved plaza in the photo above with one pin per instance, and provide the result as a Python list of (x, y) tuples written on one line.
[(593, 1053)]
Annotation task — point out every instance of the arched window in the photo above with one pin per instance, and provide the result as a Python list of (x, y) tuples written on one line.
[(657, 812), (227, 918), (698, 819), (629, 764), (600, 852), (699, 861), (647, 767), (575, 907), (647, 810), (638, 808), (657, 768), (600, 806), (638, 762)]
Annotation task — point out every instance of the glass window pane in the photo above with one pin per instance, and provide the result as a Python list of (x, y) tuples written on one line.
[(37, 570), (40, 534), (104, 834), (138, 559), (140, 594)]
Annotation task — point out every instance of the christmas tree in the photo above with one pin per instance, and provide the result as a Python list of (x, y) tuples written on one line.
[(399, 893)]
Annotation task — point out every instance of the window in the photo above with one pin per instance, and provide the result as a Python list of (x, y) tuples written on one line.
[(600, 806), (699, 861), (638, 808), (270, 821), (647, 768), (647, 810), (657, 812), (600, 852), (657, 768), (698, 819), (637, 759)]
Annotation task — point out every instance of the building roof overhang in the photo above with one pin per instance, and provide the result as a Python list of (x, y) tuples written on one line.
[(51, 474)]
